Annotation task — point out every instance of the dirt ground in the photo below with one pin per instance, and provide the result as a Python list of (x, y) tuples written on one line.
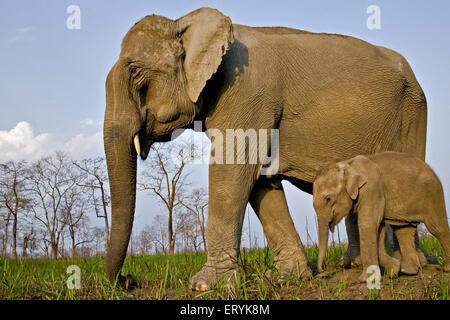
[(338, 283), (430, 283)]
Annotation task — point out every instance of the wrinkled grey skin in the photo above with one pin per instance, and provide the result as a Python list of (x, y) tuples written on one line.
[(392, 187), (331, 97)]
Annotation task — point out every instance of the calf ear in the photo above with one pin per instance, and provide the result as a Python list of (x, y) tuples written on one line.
[(353, 181), (206, 35)]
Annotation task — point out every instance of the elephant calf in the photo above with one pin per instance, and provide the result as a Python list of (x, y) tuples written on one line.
[(396, 188)]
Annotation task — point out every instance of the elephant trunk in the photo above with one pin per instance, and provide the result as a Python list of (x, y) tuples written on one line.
[(122, 180), (121, 125), (323, 243)]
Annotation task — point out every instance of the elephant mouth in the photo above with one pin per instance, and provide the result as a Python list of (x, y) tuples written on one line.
[(142, 139), (331, 225), (141, 145)]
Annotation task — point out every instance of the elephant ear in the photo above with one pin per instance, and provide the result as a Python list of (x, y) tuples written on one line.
[(206, 35), (354, 181)]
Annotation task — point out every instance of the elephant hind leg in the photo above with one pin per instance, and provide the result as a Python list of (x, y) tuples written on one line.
[(441, 231), (410, 262), (398, 255), (390, 264), (269, 202)]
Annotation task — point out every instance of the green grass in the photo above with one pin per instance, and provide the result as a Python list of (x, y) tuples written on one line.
[(167, 277)]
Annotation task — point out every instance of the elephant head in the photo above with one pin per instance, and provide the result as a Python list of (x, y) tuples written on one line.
[(335, 189), (154, 88)]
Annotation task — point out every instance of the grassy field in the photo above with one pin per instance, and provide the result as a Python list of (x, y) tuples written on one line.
[(166, 277)]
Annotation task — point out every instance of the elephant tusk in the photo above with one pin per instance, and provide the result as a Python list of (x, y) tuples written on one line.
[(137, 144)]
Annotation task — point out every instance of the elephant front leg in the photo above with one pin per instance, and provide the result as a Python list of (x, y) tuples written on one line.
[(229, 191), (269, 202), (351, 256), (368, 230)]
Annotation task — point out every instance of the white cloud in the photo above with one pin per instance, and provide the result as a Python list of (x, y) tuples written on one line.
[(24, 33), (21, 143), (85, 145), (86, 123), (24, 30)]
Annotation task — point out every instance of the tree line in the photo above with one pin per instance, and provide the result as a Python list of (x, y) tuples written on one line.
[(59, 207)]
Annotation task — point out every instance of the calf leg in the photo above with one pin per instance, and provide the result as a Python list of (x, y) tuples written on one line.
[(410, 263), (389, 263)]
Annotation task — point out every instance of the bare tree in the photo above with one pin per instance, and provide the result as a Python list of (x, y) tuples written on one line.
[(28, 243), (73, 209), (96, 236), (187, 230), (43, 243), (5, 218), (146, 240), (158, 234), (51, 179), (197, 204), (95, 181), (28, 233), (164, 176), (309, 240), (14, 197)]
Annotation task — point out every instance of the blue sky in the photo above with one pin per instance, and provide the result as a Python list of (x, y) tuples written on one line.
[(52, 78)]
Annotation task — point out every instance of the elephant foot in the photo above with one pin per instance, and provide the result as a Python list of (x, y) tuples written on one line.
[(351, 258), (305, 273), (410, 265), (354, 263), (293, 269), (422, 259), (409, 269), (127, 282), (371, 274), (363, 276), (391, 266), (208, 276), (397, 255)]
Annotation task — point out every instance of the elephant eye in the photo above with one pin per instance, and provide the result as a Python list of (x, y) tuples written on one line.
[(328, 199), (143, 95)]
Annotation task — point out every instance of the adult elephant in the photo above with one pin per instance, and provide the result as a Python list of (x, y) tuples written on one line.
[(332, 97)]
